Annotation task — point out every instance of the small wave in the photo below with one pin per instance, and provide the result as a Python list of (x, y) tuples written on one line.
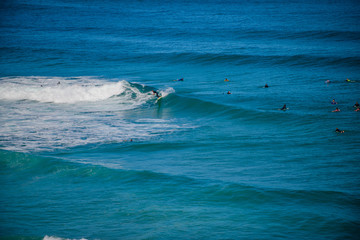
[(272, 58), (193, 189), (59, 238), (223, 110), (295, 34)]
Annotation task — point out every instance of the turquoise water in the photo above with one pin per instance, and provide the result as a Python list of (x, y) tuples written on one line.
[(86, 153)]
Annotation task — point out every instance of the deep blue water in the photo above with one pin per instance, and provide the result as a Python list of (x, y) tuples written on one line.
[(86, 153)]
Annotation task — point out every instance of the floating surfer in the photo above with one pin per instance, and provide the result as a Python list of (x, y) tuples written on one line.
[(284, 108), (226, 80), (179, 80), (339, 131), (336, 110), (333, 102), (348, 80), (356, 105), (266, 86), (228, 92), (327, 81)]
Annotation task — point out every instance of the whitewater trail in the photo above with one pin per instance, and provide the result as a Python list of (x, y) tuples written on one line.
[(64, 91), (45, 113)]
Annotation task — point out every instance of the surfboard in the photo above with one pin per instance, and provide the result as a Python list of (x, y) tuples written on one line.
[(159, 98)]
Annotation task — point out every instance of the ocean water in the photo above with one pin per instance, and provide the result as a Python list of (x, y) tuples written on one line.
[(86, 152)]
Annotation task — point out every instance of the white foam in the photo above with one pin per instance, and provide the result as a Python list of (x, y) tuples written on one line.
[(166, 92), (67, 91), (52, 121), (57, 238)]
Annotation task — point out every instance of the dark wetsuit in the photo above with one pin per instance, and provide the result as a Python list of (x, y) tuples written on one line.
[(339, 131), (156, 93)]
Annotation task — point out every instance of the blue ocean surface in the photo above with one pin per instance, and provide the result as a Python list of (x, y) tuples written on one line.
[(87, 151)]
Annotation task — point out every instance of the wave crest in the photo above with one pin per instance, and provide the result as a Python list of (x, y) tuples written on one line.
[(62, 90)]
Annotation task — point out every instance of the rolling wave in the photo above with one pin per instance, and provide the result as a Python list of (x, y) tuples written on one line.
[(312, 35), (63, 90), (270, 59), (68, 112), (221, 110), (82, 111), (213, 192)]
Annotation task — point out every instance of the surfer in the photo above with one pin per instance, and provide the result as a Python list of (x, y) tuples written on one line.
[(284, 108), (336, 110), (228, 92), (156, 93), (266, 86), (339, 131), (226, 80), (333, 102), (356, 105), (327, 81)]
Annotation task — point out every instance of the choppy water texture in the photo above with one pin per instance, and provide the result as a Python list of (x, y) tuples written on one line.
[(86, 152)]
